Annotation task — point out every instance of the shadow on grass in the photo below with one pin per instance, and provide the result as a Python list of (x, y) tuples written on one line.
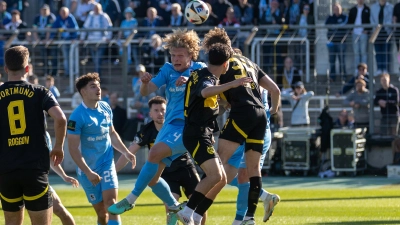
[(374, 222), (282, 200)]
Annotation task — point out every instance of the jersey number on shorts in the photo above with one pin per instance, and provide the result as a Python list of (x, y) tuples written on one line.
[(107, 176), (16, 116)]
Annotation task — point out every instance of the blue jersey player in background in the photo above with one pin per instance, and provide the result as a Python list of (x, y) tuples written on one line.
[(184, 47), (91, 138)]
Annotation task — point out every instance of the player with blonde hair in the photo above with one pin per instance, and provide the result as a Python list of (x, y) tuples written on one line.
[(184, 47)]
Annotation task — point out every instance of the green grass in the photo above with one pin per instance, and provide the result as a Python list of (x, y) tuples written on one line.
[(307, 206)]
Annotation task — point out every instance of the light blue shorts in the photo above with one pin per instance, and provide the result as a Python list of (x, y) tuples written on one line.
[(108, 181), (171, 135), (238, 159)]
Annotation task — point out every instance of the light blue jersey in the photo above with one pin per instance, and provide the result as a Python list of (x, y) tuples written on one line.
[(93, 126), (174, 95), (171, 133), (132, 23)]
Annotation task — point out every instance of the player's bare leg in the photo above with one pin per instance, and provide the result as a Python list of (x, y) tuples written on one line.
[(14, 218), (102, 215), (60, 211), (158, 152), (42, 217), (225, 151), (109, 198)]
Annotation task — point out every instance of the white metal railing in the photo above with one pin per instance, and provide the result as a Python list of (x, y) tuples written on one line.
[(319, 99), (258, 42)]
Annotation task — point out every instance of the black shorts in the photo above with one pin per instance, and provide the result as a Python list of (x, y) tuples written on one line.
[(198, 142), (25, 187), (246, 125), (185, 177)]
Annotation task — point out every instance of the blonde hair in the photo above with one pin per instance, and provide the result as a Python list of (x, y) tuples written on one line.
[(216, 35), (177, 6), (187, 39)]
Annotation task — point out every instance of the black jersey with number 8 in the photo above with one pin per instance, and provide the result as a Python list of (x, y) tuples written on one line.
[(22, 126)]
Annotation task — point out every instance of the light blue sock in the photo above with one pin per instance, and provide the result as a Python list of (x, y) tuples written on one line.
[(241, 203), (163, 192), (234, 182), (147, 173), (113, 222)]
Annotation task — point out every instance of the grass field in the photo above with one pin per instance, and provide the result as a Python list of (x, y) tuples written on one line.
[(298, 206)]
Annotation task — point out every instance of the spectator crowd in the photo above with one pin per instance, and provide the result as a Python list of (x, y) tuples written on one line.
[(71, 18)]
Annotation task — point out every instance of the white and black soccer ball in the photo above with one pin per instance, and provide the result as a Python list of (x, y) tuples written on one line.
[(197, 12)]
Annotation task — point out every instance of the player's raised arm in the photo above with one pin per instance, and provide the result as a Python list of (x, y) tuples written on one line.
[(147, 86), (117, 143), (215, 90), (122, 161), (267, 83), (60, 127)]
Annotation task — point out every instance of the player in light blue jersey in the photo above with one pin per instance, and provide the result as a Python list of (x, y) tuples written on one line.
[(91, 138), (184, 47)]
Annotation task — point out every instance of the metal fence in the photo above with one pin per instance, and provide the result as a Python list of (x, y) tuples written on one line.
[(268, 46)]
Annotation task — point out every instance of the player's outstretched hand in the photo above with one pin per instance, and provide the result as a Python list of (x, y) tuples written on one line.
[(181, 81), (241, 81), (131, 157), (57, 155), (94, 178), (145, 78), (73, 181)]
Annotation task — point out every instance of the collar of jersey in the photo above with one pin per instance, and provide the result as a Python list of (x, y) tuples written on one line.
[(83, 104)]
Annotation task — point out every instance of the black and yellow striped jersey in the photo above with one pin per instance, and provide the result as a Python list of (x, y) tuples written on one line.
[(249, 94), (199, 111), (22, 126)]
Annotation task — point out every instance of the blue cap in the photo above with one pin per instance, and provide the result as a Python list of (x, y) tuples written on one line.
[(130, 10)]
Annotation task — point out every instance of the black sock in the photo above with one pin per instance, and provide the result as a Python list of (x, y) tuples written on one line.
[(195, 199), (254, 193), (203, 206)]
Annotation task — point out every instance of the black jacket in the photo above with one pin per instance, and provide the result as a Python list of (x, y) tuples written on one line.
[(336, 33), (365, 16), (391, 96)]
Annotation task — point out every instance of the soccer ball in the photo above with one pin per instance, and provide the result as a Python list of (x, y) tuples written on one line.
[(197, 12)]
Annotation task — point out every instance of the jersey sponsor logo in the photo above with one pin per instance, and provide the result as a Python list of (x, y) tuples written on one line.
[(177, 89), (97, 138), (210, 150), (71, 125), (18, 141), (90, 124)]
